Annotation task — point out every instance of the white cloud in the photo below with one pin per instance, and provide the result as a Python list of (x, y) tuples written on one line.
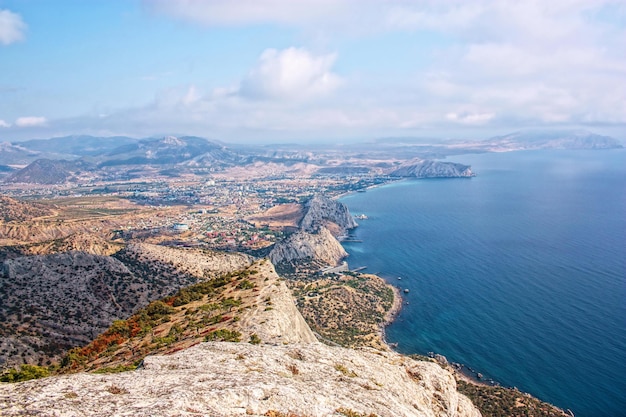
[(470, 118), (4, 124), (12, 27), (292, 73), (30, 121)]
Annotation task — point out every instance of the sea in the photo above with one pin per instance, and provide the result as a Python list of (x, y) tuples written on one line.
[(518, 273)]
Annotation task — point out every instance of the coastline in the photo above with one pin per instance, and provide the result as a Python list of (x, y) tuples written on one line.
[(391, 315), (370, 187), (463, 373)]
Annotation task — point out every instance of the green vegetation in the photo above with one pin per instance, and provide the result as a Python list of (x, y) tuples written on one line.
[(254, 339), (245, 285), (345, 371), (223, 335), (25, 373), (348, 310), (351, 413), (115, 369)]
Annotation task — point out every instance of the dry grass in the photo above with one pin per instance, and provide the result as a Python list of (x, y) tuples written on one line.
[(283, 215)]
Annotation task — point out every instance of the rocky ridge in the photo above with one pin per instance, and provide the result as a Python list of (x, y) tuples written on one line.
[(196, 262), (284, 372), (15, 211)]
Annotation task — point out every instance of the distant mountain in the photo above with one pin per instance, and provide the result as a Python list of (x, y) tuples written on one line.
[(78, 145), (11, 154), (569, 139), (47, 171), (432, 169), (169, 150)]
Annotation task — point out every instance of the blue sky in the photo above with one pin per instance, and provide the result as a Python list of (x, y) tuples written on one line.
[(305, 70)]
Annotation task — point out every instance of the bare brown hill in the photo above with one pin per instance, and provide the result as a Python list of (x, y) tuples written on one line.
[(13, 210)]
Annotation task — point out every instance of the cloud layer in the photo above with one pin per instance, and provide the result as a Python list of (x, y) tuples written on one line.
[(366, 68), (30, 121)]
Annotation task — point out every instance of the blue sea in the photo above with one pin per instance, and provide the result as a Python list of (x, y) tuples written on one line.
[(518, 273)]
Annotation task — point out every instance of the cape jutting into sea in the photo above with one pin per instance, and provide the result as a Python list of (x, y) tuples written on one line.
[(518, 273)]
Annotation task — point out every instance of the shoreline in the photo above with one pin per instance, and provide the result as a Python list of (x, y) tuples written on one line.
[(391, 315), (460, 371)]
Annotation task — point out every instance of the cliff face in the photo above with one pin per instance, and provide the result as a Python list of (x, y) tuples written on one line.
[(239, 379), (432, 169), (320, 211), (302, 246)]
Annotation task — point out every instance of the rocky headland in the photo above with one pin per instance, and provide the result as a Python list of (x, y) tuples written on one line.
[(418, 168), (315, 242), (323, 211), (304, 246)]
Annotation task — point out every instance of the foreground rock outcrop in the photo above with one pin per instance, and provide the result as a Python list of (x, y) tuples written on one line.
[(239, 379)]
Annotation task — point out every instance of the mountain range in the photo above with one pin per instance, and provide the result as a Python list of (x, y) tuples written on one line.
[(85, 158)]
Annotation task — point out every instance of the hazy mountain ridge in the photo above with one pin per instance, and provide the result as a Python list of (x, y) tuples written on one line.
[(168, 150), (50, 172), (188, 153), (77, 145)]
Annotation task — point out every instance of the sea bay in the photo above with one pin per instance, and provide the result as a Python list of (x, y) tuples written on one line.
[(518, 272)]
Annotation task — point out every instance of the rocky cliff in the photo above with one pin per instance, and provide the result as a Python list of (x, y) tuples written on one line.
[(432, 169), (322, 211), (305, 246)]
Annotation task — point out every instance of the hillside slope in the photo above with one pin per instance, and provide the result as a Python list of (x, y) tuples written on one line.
[(58, 301)]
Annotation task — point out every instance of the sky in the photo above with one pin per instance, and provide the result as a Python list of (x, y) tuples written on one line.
[(332, 71)]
